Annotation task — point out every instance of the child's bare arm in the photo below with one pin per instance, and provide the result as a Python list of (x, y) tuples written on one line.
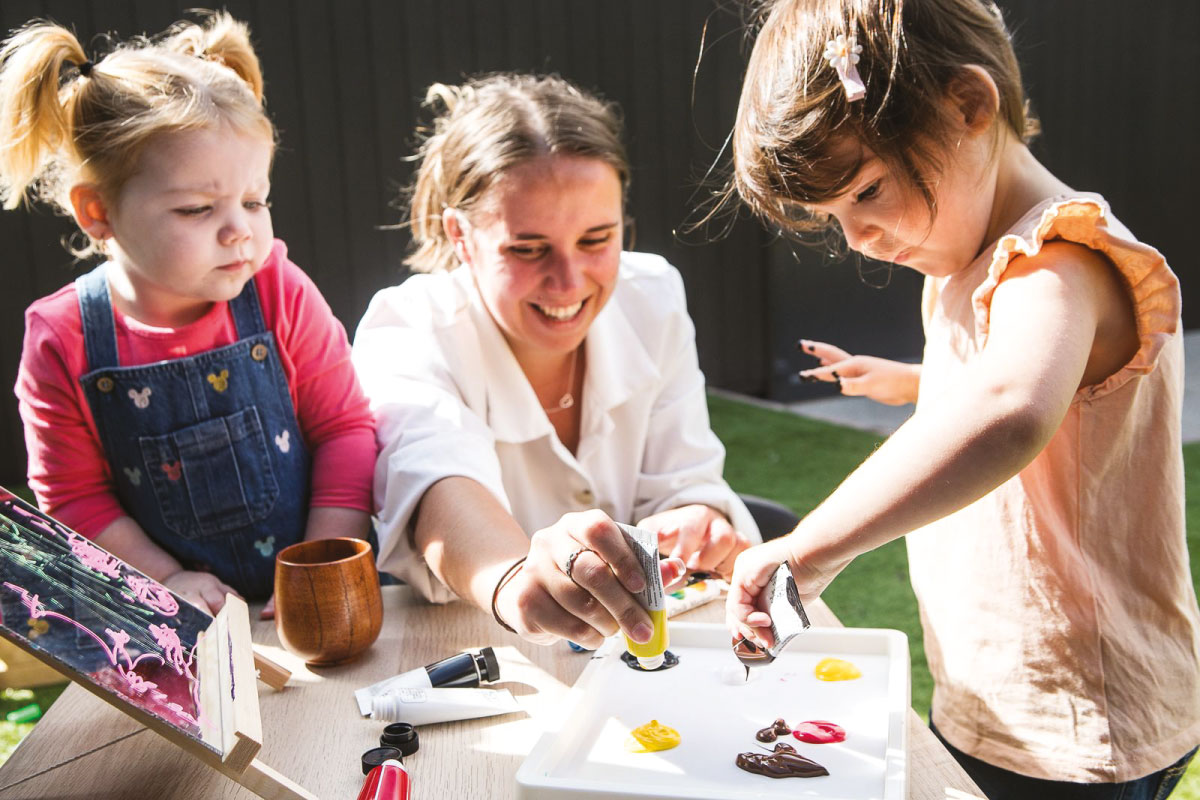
[(1047, 326)]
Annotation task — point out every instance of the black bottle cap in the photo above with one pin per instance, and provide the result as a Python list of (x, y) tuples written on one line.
[(377, 755), (402, 736), (489, 671)]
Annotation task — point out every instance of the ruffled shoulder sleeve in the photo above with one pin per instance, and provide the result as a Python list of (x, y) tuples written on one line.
[(1087, 220)]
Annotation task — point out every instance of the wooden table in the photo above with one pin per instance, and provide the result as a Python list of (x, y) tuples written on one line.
[(84, 748)]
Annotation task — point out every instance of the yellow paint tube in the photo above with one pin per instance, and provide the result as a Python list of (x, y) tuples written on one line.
[(644, 545)]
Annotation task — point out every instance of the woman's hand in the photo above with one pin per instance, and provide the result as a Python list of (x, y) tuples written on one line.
[(202, 589), (889, 382), (698, 535), (543, 603)]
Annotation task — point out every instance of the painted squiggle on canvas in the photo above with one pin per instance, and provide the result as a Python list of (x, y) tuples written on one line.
[(122, 661), (91, 614)]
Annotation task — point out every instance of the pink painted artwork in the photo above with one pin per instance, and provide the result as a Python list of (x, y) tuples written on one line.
[(97, 619)]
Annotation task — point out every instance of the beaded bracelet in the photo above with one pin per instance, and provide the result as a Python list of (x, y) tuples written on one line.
[(508, 573)]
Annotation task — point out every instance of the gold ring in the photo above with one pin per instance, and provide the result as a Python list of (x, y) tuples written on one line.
[(570, 562)]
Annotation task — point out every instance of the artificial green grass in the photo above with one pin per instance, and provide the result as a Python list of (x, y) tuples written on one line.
[(11, 733), (798, 461)]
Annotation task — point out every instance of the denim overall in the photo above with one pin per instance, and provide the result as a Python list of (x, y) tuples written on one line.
[(205, 451)]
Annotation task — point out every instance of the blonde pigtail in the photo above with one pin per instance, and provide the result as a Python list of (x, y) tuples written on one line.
[(35, 125), (62, 125), (222, 39)]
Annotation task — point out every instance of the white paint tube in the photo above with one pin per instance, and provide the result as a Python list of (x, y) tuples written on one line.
[(461, 670), (418, 706)]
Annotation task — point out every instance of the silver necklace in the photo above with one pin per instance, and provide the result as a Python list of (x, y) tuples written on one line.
[(568, 399)]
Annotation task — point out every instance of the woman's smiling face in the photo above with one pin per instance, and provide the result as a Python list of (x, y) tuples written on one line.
[(544, 248)]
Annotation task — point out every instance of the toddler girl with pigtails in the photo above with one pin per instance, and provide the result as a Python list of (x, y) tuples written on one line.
[(1039, 483), (189, 404)]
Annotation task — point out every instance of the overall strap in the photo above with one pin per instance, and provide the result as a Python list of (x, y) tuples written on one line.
[(95, 311), (247, 312)]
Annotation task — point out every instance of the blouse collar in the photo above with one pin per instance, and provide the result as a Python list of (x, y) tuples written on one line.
[(618, 367)]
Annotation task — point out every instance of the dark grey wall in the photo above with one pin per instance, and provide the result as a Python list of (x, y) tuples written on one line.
[(1117, 94)]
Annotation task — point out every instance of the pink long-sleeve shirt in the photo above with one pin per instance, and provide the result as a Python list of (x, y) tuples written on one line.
[(68, 470)]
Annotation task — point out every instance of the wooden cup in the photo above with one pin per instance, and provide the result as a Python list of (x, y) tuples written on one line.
[(328, 608)]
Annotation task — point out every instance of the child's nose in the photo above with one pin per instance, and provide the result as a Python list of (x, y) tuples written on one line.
[(860, 234), (236, 229)]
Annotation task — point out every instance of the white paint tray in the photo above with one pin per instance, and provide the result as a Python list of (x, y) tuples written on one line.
[(582, 754)]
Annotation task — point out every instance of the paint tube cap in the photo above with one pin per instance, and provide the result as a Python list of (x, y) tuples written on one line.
[(377, 755), (401, 736), (651, 662), (488, 664)]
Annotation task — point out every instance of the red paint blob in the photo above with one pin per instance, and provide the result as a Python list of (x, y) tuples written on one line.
[(818, 731)]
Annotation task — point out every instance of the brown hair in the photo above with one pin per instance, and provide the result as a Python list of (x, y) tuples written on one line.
[(65, 120), (793, 113), (489, 125)]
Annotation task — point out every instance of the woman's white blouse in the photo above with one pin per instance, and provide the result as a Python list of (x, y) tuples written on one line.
[(450, 400)]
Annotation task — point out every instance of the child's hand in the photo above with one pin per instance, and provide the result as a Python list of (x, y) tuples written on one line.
[(268, 611), (202, 589), (745, 607), (889, 382)]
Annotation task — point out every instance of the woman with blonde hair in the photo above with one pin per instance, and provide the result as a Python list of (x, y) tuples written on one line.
[(538, 383)]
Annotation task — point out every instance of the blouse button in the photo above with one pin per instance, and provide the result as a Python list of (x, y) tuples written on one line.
[(105, 384), (585, 497), (259, 352)]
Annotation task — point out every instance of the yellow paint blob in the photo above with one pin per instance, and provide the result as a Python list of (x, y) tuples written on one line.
[(837, 669), (651, 737)]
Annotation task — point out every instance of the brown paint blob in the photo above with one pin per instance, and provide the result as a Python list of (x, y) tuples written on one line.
[(774, 730), (785, 762)]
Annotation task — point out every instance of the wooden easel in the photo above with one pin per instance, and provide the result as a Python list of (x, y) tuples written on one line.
[(227, 683), (54, 571), (231, 728)]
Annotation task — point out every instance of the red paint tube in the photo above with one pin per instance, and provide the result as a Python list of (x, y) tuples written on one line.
[(388, 781)]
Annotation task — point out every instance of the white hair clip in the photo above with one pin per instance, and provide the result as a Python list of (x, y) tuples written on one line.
[(842, 54)]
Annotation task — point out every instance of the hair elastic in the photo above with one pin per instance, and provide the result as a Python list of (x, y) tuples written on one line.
[(85, 69), (843, 54)]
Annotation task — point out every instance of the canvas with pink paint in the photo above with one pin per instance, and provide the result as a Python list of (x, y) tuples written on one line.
[(98, 620)]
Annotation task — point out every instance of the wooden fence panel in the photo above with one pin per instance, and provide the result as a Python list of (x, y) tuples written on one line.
[(345, 79)]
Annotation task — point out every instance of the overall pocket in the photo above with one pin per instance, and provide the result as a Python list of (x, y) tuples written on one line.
[(214, 477)]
